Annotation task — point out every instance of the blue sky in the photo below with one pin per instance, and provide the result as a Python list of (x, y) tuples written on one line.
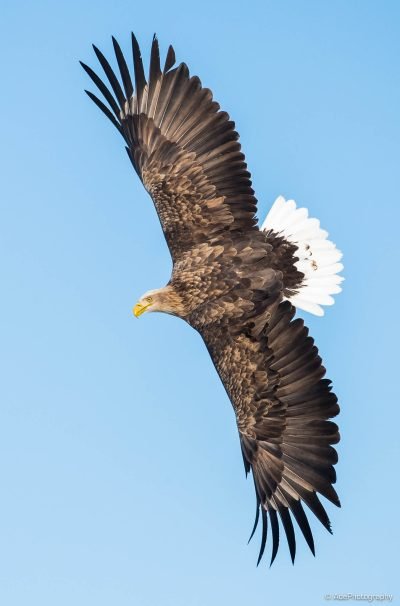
[(121, 474)]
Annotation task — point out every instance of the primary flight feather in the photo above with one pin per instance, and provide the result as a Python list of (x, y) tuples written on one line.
[(237, 284)]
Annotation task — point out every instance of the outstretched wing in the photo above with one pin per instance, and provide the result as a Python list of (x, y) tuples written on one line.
[(282, 405), (183, 147)]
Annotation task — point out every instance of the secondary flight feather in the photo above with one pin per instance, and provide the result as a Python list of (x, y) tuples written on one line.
[(236, 283)]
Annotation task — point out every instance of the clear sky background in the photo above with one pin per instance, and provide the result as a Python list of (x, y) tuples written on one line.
[(120, 469)]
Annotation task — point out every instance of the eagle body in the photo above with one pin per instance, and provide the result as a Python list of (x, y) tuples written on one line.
[(225, 282), (235, 282)]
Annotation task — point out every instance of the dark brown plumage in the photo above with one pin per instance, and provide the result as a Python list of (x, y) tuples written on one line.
[(228, 282)]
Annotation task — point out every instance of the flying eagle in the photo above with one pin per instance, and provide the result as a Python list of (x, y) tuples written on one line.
[(235, 282)]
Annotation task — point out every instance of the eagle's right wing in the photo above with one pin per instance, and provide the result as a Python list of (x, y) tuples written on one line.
[(184, 149), (282, 404)]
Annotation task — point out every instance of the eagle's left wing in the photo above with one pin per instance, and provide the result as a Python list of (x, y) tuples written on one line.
[(282, 404), (183, 147)]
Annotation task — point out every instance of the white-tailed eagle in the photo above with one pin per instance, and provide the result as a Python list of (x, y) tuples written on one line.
[(238, 284)]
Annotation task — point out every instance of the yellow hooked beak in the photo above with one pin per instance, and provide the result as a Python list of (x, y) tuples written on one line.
[(139, 309)]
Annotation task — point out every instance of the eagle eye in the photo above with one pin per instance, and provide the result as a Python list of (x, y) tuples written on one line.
[(149, 299)]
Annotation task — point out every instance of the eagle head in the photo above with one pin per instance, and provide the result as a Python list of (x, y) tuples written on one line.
[(164, 299)]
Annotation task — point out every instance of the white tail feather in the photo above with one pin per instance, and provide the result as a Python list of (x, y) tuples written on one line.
[(318, 257)]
